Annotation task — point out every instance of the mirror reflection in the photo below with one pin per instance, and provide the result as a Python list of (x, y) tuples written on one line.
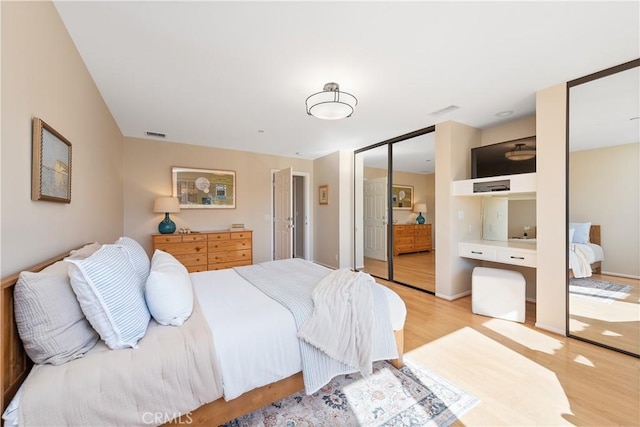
[(413, 222), (394, 230), (604, 214), (371, 211)]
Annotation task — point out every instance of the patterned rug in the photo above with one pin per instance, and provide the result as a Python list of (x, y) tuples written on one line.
[(411, 396), (605, 292)]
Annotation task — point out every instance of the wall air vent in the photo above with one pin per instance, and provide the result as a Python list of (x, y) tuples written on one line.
[(156, 134)]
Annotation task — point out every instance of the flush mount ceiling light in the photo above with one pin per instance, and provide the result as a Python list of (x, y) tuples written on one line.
[(331, 104), (520, 152)]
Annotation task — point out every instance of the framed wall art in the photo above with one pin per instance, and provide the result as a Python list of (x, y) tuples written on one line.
[(204, 188), (51, 164), (323, 194), (402, 197)]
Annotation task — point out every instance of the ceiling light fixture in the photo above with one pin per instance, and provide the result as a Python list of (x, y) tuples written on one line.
[(331, 104), (504, 113), (520, 152)]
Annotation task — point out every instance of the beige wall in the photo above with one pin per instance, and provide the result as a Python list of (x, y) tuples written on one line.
[(147, 171), (604, 188), (334, 223), (44, 76), (551, 289), (458, 217)]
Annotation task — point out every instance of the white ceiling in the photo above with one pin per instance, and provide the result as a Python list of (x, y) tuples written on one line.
[(236, 74)]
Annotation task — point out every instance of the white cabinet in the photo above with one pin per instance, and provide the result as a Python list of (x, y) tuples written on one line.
[(524, 183), (523, 254)]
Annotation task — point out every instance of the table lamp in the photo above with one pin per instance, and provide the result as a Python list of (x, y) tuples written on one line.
[(420, 207), (166, 205)]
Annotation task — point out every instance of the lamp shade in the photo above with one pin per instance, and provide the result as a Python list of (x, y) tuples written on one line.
[(166, 205), (420, 207), (331, 103)]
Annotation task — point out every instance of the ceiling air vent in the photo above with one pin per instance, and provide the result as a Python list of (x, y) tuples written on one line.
[(445, 110), (156, 134)]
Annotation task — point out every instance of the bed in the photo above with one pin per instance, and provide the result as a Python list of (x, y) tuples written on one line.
[(585, 253), (221, 396)]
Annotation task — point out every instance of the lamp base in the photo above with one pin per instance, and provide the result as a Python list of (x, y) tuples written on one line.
[(166, 226), (420, 219)]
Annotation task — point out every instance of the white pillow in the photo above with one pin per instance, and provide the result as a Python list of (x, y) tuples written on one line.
[(168, 292), (572, 232), (581, 231), (85, 251), (111, 296), (50, 322), (137, 255)]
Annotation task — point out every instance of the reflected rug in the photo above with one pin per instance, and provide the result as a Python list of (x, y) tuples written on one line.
[(411, 396), (605, 292)]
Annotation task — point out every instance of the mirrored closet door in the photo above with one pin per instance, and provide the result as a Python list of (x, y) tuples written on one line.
[(604, 208), (394, 211), (413, 204), (371, 211)]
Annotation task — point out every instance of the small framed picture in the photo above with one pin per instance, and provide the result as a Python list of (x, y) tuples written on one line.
[(402, 197), (323, 194), (51, 164)]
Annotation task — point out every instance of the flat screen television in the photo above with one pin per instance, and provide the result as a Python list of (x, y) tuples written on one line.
[(504, 158)]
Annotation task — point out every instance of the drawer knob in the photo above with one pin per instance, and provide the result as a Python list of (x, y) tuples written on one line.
[(476, 252), (517, 257)]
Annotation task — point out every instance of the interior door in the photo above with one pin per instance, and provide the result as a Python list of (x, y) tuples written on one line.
[(375, 218), (283, 213)]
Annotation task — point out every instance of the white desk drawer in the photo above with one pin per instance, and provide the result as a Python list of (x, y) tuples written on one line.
[(470, 250), (515, 257)]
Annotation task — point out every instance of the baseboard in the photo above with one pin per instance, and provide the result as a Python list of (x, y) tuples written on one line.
[(628, 276), (551, 329), (453, 297)]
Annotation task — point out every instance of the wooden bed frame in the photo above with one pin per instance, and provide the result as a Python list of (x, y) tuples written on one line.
[(15, 365), (594, 237)]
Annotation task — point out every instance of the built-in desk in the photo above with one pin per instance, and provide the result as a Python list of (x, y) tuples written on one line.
[(515, 253)]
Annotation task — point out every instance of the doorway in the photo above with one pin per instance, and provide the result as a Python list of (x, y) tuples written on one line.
[(290, 196)]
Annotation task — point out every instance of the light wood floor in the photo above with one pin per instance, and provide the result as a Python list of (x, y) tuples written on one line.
[(415, 269), (615, 323), (522, 375)]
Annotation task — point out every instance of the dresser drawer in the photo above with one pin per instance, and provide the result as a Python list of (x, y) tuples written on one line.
[(219, 236), (515, 257), (469, 250), (182, 248), (229, 256), (168, 238), (194, 237), (241, 235), (192, 259), (229, 245)]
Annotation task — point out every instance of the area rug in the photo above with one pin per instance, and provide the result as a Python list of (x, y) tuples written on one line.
[(411, 396), (602, 291)]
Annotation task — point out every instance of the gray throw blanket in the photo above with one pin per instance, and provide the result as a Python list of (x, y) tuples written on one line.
[(291, 283)]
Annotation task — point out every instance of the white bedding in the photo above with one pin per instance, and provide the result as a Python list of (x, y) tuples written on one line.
[(255, 338), (581, 256), (230, 304)]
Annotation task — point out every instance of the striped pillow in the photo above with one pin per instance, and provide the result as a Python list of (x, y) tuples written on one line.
[(111, 296), (137, 255)]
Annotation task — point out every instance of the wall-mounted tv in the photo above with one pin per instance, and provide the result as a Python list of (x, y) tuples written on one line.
[(504, 158)]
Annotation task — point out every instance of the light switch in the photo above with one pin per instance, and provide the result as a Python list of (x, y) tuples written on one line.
[(460, 214)]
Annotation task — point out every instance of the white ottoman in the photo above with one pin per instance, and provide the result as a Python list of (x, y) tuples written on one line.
[(498, 293)]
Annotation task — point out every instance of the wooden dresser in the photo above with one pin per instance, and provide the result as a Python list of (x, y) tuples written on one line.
[(208, 250), (411, 238)]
